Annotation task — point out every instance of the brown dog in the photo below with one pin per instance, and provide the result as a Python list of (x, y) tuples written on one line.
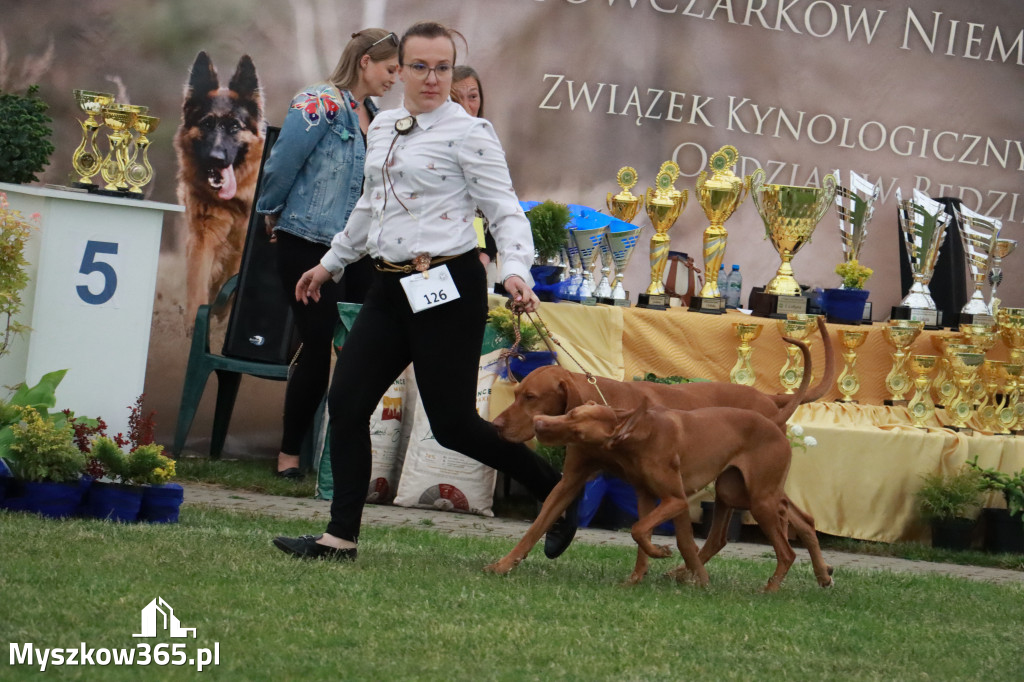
[(553, 390), (219, 146), (666, 453)]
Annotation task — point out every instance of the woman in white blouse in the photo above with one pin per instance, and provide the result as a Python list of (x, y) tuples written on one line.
[(429, 165)]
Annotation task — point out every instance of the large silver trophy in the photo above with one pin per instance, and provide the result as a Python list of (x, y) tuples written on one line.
[(855, 204), (923, 222), (575, 275), (979, 235), (603, 291), (588, 241), (622, 244)]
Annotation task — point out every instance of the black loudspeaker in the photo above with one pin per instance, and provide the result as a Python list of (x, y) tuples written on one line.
[(261, 326)]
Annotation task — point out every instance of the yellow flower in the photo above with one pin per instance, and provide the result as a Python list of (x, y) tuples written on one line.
[(854, 274)]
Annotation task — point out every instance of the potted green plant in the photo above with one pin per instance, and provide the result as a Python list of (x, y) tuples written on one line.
[(25, 133), (46, 465), (548, 221), (120, 498), (1004, 528), (529, 350), (950, 502), (846, 303), (14, 233)]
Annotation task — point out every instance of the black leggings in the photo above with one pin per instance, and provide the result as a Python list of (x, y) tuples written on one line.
[(315, 322), (443, 343)]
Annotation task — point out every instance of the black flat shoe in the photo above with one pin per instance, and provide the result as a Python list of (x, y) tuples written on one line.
[(561, 533), (293, 473), (306, 547)]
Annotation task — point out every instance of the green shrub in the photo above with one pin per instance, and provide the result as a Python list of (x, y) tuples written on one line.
[(43, 449), (952, 496), (25, 145), (547, 222), (144, 465)]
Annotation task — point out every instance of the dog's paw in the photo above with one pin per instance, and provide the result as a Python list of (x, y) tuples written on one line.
[(662, 552), (634, 579), (499, 567)]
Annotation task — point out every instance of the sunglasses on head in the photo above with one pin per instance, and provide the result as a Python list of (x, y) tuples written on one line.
[(390, 36)]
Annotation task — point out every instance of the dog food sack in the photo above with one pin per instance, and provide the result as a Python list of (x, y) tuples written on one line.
[(386, 446), (434, 477)]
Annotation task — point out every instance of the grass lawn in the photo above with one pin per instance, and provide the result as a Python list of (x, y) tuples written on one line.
[(416, 606)]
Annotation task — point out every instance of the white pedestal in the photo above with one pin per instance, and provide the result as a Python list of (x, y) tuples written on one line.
[(93, 266)]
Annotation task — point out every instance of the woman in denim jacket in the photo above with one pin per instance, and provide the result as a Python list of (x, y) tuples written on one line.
[(311, 181)]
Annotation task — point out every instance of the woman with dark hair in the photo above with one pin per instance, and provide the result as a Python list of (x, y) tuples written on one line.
[(429, 164), (468, 90), (311, 182)]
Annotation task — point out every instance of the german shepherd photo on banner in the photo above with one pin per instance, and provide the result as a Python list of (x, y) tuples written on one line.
[(219, 145)]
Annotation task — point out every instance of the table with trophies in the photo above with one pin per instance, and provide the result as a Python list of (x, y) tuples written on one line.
[(909, 397)]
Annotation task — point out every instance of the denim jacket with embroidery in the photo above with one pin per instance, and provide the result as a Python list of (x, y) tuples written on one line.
[(314, 175)]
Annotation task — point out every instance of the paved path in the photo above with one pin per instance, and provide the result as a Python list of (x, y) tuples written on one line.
[(463, 524)]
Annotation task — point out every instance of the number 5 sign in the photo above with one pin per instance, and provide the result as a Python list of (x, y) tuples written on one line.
[(96, 258)]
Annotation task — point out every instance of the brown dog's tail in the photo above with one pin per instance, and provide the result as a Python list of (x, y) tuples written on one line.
[(829, 378), (786, 410)]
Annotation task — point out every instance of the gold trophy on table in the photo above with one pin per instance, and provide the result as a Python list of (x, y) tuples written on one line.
[(965, 367), (120, 118), (719, 195), (664, 204), (792, 372), (625, 204), (87, 158), (921, 406), (992, 399), (139, 172), (848, 381), (979, 235), (743, 372), (923, 222), (790, 214), (900, 334), (1007, 419), (1010, 322)]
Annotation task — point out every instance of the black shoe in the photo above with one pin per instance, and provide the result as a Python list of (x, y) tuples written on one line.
[(306, 547), (561, 533), (293, 473)]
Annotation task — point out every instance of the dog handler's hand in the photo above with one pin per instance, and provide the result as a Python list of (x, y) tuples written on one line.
[(309, 284), (269, 221), (523, 297)]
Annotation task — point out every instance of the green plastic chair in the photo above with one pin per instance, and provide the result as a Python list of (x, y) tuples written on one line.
[(229, 374)]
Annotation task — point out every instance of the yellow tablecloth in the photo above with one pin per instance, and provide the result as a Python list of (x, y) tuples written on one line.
[(860, 480)]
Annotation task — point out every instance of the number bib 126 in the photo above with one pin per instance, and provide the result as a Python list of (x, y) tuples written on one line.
[(430, 289)]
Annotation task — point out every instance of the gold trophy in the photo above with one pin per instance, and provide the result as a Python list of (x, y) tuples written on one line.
[(923, 222), (742, 372), (622, 244), (848, 381), (719, 196), (979, 235), (921, 406), (86, 159), (965, 367), (943, 386), (664, 205), (792, 372), (625, 204), (1007, 418), (992, 400), (790, 214), (1004, 247), (855, 204), (1011, 328), (119, 118), (139, 172), (983, 338), (900, 334)]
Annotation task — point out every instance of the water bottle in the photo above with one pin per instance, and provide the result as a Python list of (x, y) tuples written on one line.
[(733, 288), (722, 280)]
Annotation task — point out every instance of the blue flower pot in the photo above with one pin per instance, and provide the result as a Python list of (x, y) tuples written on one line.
[(161, 503), (113, 501), (845, 306), (519, 368), (52, 500)]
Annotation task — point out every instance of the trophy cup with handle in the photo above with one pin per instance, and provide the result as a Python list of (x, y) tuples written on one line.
[(119, 118), (139, 172), (848, 381), (792, 372), (1004, 247), (900, 334), (664, 204), (625, 204), (855, 205), (622, 244), (719, 195), (923, 222), (588, 241), (743, 372), (921, 406), (979, 235), (790, 214), (87, 158)]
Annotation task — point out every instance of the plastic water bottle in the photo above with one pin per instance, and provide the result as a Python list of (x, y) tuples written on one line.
[(733, 288), (722, 280)]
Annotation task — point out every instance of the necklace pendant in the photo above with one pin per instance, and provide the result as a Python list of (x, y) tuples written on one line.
[(422, 263)]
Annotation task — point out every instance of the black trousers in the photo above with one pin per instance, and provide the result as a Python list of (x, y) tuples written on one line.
[(443, 343), (315, 322)]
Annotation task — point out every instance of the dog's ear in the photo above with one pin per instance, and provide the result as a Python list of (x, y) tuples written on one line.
[(246, 84), (203, 77), (573, 397), (630, 425)]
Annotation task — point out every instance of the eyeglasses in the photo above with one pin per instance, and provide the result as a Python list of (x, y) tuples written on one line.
[(421, 71), (390, 36)]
